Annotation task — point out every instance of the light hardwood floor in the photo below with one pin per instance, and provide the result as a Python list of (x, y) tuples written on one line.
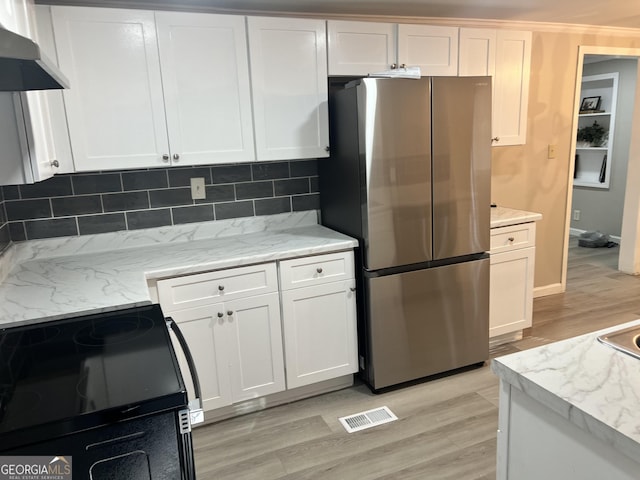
[(446, 427)]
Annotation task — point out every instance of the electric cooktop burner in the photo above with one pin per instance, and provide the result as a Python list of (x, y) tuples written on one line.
[(71, 369)]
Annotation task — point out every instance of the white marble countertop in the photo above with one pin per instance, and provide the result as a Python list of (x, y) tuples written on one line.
[(590, 384), (503, 216), (61, 278)]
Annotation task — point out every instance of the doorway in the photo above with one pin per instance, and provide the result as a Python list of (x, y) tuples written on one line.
[(622, 192)]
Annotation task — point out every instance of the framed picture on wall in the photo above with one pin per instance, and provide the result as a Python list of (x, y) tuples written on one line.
[(589, 104)]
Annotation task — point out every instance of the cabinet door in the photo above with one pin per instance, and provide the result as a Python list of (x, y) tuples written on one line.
[(207, 335), (205, 74), (289, 85), (477, 52), (115, 106), (360, 48), (513, 58), (255, 344), (320, 332), (433, 49), (511, 291)]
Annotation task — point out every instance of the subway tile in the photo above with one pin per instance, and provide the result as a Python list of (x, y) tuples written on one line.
[(28, 209), (304, 168), (5, 237), (17, 232), (57, 227), (245, 191), (271, 206), (181, 177), (1, 195), (315, 184), (305, 202), (230, 173), (196, 213), (57, 186), (80, 205), (170, 197), (145, 179), (110, 222), (233, 210), (270, 171), (11, 192), (291, 187), (148, 219), (219, 193), (3, 214), (97, 183), (117, 202)]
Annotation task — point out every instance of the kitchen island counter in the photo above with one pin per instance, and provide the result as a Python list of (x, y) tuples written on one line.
[(570, 409), (59, 278)]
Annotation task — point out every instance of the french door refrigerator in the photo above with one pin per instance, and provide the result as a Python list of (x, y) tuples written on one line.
[(409, 176)]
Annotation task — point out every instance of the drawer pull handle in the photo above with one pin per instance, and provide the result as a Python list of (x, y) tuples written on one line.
[(220, 314), (229, 312), (511, 239), (221, 288), (319, 269)]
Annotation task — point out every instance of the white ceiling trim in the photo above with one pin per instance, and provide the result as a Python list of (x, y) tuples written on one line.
[(457, 21)]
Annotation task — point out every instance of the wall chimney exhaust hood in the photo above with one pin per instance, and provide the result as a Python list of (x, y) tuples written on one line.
[(23, 66)]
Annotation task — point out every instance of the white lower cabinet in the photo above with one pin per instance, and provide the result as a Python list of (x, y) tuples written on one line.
[(319, 326), (237, 348), (244, 333), (511, 273)]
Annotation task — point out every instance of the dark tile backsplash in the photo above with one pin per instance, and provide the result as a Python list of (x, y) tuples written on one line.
[(83, 204)]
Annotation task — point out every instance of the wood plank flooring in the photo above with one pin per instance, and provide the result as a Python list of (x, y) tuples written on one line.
[(446, 428)]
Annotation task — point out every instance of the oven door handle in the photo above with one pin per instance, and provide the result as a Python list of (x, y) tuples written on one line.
[(195, 405)]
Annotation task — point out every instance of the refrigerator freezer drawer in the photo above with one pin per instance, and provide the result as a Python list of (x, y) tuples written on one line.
[(426, 322)]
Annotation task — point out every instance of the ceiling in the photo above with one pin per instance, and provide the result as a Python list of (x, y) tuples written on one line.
[(609, 13)]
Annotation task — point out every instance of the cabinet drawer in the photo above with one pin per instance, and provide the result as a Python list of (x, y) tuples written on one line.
[(300, 272), (513, 237), (206, 288)]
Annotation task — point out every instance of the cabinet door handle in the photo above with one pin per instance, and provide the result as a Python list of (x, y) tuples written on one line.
[(229, 312), (353, 289), (176, 156), (55, 163), (394, 66), (165, 157), (511, 239), (221, 288), (319, 269), (495, 139), (220, 314)]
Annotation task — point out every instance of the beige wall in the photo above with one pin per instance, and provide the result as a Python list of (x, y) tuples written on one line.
[(522, 176)]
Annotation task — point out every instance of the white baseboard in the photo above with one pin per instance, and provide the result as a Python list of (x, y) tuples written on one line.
[(576, 232), (545, 290)]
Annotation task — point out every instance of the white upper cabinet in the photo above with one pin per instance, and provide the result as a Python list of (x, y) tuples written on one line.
[(477, 52), (434, 49), (360, 48), (115, 105), (505, 55), (26, 137), (513, 59), (205, 73), (154, 89), (289, 80)]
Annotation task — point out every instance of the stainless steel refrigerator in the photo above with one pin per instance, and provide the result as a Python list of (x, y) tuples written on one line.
[(409, 176)]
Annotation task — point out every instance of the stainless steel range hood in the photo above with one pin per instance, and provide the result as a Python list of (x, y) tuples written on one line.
[(23, 66)]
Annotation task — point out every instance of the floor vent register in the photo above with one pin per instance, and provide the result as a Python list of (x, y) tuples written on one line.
[(368, 419)]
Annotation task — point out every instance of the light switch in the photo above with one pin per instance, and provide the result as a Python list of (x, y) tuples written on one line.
[(551, 151), (198, 191)]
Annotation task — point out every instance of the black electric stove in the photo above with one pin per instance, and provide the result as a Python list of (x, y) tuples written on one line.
[(105, 379)]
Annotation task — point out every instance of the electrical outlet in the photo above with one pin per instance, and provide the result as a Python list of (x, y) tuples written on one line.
[(198, 191), (576, 214), (551, 151)]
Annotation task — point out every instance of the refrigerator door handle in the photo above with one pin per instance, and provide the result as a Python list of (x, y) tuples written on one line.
[(195, 406)]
